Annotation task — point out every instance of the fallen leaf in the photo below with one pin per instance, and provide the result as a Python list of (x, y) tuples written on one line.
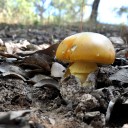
[(9, 47), (41, 60), (122, 53), (57, 70), (13, 74), (25, 53), (6, 68), (117, 40), (50, 50), (38, 78), (13, 48), (36, 71), (47, 83), (44, 46), (8, 55), (29, 66), (121, 75)]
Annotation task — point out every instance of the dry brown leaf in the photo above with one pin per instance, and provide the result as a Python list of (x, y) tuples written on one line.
[(36, 71), (13, 47), (41, 60), (9, 47), (8, 55), (29, 66), (50, 50)]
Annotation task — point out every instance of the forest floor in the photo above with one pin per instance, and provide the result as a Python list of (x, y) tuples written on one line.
[(32, 96)]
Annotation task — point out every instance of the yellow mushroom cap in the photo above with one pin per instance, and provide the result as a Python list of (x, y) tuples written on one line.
[(86, 46)]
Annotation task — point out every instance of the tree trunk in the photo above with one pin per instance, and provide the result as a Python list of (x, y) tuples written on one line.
[(94, 13), (82, 14)]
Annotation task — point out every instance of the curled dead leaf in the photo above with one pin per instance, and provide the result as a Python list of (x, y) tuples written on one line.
[(38, 78), (51, 83), (41, 60), (50, 50), (13, 74)]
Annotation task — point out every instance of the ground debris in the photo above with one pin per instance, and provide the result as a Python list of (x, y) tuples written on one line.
[(32, 79)]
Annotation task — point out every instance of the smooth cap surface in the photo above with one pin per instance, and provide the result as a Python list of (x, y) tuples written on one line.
[(86, 46)]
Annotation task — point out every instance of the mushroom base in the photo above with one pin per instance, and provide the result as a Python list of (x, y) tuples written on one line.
[(81, 70)]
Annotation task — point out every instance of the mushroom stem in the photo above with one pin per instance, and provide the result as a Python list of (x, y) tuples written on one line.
[(82, 69)]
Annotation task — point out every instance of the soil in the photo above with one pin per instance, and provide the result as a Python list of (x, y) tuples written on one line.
[(68, 104)]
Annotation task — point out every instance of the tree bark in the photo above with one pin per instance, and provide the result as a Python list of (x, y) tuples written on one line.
[(94, 13), (82, 14)]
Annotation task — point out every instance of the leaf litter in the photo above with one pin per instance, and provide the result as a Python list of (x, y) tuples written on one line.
[(32, 78)]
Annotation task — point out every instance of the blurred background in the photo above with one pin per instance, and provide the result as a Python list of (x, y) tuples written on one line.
[(63, 11), (109, 17)]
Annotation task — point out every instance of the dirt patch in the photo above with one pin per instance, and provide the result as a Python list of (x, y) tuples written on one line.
[(47, 101)]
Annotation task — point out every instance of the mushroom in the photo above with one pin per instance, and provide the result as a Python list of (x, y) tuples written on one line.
[(84, 51)]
